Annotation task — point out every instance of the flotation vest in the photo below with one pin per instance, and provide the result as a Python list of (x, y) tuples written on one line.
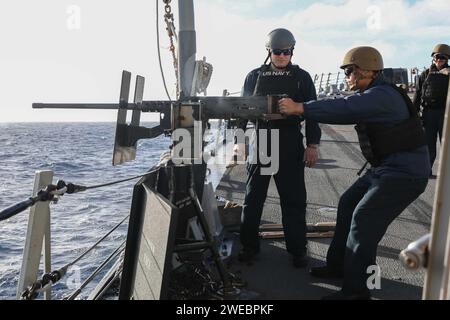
[(377, 141)]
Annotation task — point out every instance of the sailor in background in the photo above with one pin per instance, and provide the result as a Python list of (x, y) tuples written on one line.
[(431, 97), (393, 142), (280, 76)]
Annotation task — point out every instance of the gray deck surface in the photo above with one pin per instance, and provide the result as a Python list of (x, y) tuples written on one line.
[(273, 277)]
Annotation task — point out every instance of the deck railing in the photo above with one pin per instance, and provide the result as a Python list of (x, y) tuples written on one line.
[(329, 83)]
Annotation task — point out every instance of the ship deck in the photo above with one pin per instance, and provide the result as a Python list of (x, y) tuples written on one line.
[(273, 277)]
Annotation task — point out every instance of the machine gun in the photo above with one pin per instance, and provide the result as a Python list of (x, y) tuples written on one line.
[(171, 194), (164, 201), (173, 114)]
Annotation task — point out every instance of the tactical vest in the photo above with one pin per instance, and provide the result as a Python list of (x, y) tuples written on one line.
[(434, 91), (280, 82), (377, 141)]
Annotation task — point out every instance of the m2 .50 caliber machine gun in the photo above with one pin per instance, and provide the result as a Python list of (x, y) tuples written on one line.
[(168, 197)]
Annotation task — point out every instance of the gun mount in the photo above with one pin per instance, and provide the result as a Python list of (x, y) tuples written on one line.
[(171, 195), (173, 114)]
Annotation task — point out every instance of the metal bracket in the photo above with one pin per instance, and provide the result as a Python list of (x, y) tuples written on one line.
[(127, 135)]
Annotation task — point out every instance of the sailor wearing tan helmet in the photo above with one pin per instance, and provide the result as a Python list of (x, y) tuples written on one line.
[(393, 142), (431, 96)]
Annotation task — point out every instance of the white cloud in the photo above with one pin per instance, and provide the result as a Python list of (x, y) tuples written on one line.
[(324, 32), (43, 61)]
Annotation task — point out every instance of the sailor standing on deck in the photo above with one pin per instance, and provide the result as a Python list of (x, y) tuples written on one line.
[(431, 97), (393, 141), (281, 77)]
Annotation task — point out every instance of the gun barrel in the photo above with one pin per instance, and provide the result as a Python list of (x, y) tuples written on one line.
[(145, 106), (214, 107), (87, 106)]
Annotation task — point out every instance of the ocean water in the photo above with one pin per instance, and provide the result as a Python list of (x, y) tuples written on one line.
[(80, 153)]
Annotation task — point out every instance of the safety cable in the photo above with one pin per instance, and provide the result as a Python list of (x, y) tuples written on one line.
[(115, 253), (96, 244), (171, 32), (61, 188), (120, 181), (48, 194), (159, 51), (49, 279)]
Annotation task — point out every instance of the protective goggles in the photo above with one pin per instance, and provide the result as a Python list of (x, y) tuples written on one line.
[(441, 57), (349, 70), (286, 52)]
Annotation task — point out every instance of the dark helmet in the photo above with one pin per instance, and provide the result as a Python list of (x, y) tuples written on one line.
[(280, 39)]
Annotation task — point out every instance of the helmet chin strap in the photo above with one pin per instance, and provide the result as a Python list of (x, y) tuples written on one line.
[(268, 57), (359, 77), (436, 63), (357, 82)]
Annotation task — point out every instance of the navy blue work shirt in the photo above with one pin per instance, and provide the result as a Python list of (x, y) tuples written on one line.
[(380, 104)]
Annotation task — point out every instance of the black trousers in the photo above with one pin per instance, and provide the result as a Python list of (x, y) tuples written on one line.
[(433, 121), (290, 184)]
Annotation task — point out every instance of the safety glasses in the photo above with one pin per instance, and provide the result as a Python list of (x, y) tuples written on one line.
[(349, 70), (441, 57), (278, 52)]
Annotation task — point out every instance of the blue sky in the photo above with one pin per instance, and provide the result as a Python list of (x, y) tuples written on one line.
[(45, 59)]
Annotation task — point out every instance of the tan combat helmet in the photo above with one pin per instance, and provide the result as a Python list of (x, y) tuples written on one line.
[(366, 58), (442, 49)]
